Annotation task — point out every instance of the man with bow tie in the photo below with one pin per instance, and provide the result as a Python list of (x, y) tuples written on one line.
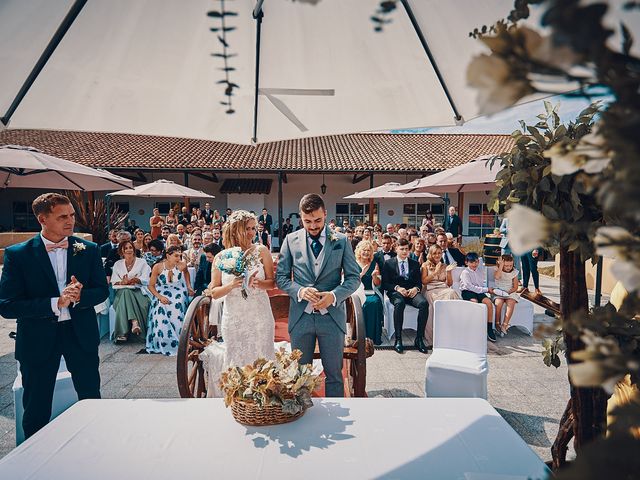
[(51, 284)]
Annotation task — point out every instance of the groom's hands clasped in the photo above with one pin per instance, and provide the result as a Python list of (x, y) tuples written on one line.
[(318, 300)]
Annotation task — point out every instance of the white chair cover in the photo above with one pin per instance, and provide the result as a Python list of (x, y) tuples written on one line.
[(410, 317), (458, 365)]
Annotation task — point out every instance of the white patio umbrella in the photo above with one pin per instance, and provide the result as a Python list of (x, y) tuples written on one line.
[(27, 167), (474, 176), (213, 70), (162, 189), (384, 191)]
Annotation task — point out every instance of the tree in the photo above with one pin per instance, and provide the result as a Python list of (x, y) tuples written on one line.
[(578, 185)]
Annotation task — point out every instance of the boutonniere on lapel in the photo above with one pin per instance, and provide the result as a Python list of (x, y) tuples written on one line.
[(78, 247), (333, 237)]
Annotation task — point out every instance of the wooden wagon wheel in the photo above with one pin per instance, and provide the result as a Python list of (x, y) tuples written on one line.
[(196, 335), (358, 365)]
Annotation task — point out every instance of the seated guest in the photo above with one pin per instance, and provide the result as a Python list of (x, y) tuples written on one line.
[(431, 239), (472, 288), (449, 255), (262, 237), (419, 253), (385, 253), (114, 256), (349, 233), (287, 228), (369, 276), (203, 275), (436, 284), (506, 281), (169, 287), (181, 232), (112, 244), (207, 238), (131, 305), (192, 255), (164, 234), (402, 283), (217, 237), (367, 234), (155, 253), (174, 241), (402, 233), (138, 240), (145, 242), (453, 243)]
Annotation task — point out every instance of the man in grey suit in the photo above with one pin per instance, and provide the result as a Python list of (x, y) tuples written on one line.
[(311, 266)]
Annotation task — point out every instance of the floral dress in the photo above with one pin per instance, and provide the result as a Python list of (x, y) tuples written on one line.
[(164, 323)]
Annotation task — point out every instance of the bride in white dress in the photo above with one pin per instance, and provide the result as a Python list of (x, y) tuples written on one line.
[(247, 323)]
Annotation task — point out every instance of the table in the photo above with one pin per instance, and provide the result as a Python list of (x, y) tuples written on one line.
[(355, 438)]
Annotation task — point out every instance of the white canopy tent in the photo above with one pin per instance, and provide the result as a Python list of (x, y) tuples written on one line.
[(156, 67)]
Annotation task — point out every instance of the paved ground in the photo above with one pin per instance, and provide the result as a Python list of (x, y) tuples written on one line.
[(529, 395)]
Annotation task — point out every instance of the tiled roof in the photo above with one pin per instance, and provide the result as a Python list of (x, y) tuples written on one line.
[(335, 153)]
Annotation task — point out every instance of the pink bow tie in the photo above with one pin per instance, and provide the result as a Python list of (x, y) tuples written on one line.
[(55, 246)]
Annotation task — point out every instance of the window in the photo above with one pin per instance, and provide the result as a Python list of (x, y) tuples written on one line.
[(355, 213), (123, 207), (23, 218), (413, 213), (481, 220)]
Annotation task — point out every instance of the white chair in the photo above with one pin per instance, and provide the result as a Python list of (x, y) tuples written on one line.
[(64, 395), (458, 365), (523, 313), (112, 321), (410, 317), (455, 276)]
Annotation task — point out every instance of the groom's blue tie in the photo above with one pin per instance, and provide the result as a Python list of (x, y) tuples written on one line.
[(316, 246)]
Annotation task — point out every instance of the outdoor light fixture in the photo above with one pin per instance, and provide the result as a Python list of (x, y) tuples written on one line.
[(323, 187)]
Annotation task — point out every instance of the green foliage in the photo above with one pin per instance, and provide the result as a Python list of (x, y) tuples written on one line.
[(567, 202)]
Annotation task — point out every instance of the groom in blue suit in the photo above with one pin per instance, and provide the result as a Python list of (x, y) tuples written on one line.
[(51, 284), (318, 269)]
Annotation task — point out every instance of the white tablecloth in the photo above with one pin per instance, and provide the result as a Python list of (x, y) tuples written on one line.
[(355, 438)]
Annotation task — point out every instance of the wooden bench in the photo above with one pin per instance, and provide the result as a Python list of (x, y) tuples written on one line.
[(197, 334)]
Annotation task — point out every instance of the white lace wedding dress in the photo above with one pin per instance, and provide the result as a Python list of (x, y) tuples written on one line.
[(247, 331)]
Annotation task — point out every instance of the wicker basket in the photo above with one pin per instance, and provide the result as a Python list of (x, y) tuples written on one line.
[(248, 413)]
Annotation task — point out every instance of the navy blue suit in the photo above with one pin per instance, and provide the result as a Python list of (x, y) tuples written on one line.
[(27, 285)]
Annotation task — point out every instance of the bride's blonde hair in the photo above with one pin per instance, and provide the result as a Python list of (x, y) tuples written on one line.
[(234, 232)]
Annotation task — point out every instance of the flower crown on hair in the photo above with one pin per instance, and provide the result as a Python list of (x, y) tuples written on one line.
[(241, 216)]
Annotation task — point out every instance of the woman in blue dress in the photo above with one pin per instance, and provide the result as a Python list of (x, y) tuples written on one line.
[(370, 277), (169, 304)]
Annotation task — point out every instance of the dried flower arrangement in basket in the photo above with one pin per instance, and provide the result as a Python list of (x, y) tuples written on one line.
[(269, 392)]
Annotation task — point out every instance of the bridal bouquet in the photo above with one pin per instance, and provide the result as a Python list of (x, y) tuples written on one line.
[(234, 262), (283, 383)]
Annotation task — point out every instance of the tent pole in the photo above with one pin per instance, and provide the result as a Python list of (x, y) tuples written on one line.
[(107, 202), (57, 37), (280, 219), (186, 184), (371, 202), (461, 209), (257, 14), (432, 60), (598, 282)]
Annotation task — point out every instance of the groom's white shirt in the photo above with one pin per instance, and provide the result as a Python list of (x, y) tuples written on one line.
[(317, 265), (58, 259)]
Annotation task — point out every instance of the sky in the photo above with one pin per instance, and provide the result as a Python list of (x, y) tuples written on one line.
[(507, 120)]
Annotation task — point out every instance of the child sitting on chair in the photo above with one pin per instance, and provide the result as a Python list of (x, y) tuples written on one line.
[(506, 281), (472, 289)]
